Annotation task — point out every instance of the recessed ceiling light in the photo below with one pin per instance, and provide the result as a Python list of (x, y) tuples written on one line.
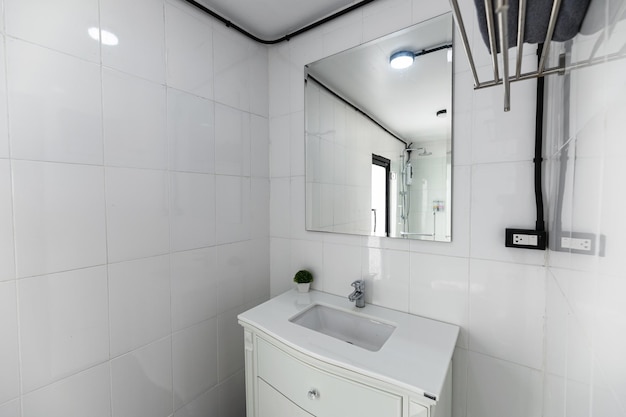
[(104, 36), (401, 59)]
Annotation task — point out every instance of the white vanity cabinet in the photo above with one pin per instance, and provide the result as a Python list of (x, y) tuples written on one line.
[(293, 371), (318, 392)]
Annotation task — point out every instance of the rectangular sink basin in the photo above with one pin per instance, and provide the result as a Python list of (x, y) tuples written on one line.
[(355, 329)]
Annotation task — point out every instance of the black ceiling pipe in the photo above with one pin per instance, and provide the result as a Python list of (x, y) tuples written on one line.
[(288, 36)]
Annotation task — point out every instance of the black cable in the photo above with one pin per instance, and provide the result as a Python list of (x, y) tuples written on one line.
[(540, 223), (288, 36)]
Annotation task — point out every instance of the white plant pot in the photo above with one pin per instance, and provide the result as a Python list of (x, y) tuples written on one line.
[(304, 287)]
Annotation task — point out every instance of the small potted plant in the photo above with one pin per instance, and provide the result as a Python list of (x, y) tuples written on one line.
[(303, 278)]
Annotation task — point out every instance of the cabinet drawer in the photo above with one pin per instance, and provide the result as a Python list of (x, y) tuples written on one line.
[(320, 393)]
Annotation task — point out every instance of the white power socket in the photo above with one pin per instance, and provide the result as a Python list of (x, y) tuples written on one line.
[(576, 243), (521, 239)]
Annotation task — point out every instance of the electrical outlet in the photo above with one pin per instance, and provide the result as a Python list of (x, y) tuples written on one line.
[(580, 243), (576, 244), (526, 239)]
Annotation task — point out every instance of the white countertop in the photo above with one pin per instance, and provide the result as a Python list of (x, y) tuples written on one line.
[(416, 356)]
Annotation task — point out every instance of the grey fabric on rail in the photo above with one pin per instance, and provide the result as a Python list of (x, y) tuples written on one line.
[(571, 15)]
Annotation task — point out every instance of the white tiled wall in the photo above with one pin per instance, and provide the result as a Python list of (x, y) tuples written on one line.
[(586, 313), (134, 209), (135, 199), (499, 296)]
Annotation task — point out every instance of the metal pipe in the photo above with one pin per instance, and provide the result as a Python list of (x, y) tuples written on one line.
[(503, 10), (525, 76), (492, 39), (554, 14), (521, 26), (461, 26)]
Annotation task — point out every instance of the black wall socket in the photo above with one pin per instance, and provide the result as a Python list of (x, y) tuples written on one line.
[(526, 239)]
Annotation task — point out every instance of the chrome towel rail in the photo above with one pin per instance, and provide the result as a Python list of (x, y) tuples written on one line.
[(501, 11)]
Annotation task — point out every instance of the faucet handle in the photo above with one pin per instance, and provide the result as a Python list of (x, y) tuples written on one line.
[(359, 285)]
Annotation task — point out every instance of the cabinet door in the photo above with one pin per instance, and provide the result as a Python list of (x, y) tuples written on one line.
[(273, 404), (321, 393), (417, 410)]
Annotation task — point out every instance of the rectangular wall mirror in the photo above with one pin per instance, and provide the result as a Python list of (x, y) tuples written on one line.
[(379, 139)]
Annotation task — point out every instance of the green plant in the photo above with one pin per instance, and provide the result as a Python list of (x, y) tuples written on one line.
[(303, 276)]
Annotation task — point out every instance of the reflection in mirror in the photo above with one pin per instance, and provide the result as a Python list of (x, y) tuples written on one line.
[(379, 136)]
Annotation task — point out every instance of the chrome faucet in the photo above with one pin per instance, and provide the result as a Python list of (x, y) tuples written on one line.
[(358, 294)]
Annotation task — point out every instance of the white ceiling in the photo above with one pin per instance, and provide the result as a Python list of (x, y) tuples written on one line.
[(405, 101), (272, 19)]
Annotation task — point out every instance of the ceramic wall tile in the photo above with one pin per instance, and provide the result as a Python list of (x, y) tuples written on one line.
[(194, 286), (12, 408), (258, 69), (383, 18), (65, 99), (89, 391), (492, 140), (232, 76), (459, 382), (64, 325), (439, 289), (203, 405), (497, 388), (297, 226), (259, 207), (63, 26), (191, 132), (279, 90), (139, 303), (192, 210), (59, 217), (280, 142), (502, 196), (134, 122), (231, 347), (232, 141), (280, 268), (7, 252), (4, 127), (387, 276), (280, 203), (515, 332), (141, 382), (230, 394), (233, 272), (194, 363), (257, 285), (138, 28), (233, 209), (296, 147), (342, 266), (342, 34), (259, 146), (137, 213), (189, 41), (608, 344), (9, 353), (425, 11)]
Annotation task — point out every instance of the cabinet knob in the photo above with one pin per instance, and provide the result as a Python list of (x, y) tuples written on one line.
[(313, 394)]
